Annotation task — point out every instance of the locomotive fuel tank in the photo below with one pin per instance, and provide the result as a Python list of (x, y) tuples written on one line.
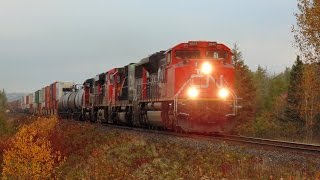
[(122, 117), (154, 118), (154, 106)]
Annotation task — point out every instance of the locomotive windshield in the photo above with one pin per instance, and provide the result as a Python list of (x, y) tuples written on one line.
[(217, 54), (195, 54), (187, 54)]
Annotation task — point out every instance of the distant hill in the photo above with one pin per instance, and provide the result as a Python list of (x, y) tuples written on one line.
[(14, 96)]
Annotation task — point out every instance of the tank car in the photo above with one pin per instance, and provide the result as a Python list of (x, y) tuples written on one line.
[(70, 104)]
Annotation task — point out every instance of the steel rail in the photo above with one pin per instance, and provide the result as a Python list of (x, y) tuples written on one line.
[(272, 143)]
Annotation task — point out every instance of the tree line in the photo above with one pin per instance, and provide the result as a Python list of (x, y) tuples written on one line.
[(286, 104)]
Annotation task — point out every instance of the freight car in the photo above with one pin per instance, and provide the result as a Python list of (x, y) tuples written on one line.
[(45, 101), (70, 104), (186, 88)]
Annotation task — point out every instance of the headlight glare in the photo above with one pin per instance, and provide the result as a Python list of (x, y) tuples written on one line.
[(223, 93), (206, 68), (193, 92)]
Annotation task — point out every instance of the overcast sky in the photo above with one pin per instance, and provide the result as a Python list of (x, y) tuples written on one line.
[(42, 41)]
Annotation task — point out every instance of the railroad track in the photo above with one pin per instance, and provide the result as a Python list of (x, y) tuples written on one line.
[(309, 148), (285, 145)]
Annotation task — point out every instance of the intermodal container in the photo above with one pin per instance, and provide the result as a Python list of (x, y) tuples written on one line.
[(51, 96), (23, 102), (31, 102), (62, 88), (37, 97), (47, 97), (43, 97), (27, 100)]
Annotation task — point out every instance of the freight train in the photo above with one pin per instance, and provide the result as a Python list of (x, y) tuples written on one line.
[(189, 87)]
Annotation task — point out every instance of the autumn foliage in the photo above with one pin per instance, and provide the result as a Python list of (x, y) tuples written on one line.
[(48, 148), (31, 155), (306, 31)]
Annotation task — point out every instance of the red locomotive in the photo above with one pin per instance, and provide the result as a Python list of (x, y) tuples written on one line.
[(186, 88)]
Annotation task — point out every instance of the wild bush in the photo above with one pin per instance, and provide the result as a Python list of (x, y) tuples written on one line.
[(3, 124), (31, 155)]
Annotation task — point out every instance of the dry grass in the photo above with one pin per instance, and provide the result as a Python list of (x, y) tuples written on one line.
[(84, 151)]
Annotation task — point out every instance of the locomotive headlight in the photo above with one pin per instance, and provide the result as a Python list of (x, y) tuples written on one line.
[(193, 92), (206, 68), (223, 93)]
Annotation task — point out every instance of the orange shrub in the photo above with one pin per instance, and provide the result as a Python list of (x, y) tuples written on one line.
[(31, 155)]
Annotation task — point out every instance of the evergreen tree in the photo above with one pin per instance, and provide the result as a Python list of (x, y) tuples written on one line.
[(261, 83), (3, 100), (244, 87), (278, 86), (277, 96), (294, 99)]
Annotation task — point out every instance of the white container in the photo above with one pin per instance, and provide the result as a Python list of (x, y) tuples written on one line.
[(43, 95), (31, 99), (40, 95), (63, 88), (23, 102)]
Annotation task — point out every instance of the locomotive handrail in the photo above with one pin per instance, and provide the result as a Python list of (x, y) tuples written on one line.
[(145, 88), (175, 99), (235, 103)]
